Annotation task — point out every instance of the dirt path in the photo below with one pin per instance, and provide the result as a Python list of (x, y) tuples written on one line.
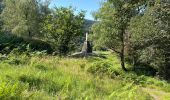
[(157, 94)]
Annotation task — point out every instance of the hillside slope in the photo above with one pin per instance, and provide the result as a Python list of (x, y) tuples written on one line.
[(46, 77), (88, 24)]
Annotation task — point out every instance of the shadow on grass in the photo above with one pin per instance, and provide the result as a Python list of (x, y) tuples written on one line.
[(9, 42), (144, 69), (41, 84)]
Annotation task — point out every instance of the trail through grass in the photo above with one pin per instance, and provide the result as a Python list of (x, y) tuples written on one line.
[(157, 94)]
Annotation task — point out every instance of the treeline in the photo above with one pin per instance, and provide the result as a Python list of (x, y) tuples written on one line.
[(138, 30), (34, 20)]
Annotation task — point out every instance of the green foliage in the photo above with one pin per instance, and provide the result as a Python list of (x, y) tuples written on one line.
[(11, 90), (36, 23), (32, 81), (103, 68), (51, 77), (41, 67), (63, 27), (113, 20), (130, 91), (20, 17), (150, 38), (12, 44), (137, 28)]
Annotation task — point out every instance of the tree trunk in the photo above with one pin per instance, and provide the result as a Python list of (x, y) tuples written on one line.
[(122, 58), (29, 34), (122, 53), (166, 68)]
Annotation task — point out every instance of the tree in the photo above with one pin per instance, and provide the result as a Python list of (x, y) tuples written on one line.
[(113, 20), (143, 40), (44, 11), (21, 17), (1, 6), (62, 27), (150, 36), (1, 9), (44, 7)]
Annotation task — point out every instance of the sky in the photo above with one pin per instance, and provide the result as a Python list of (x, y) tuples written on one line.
[(87, 5)]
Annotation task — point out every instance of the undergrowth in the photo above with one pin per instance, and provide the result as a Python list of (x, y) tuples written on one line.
[(50, 77)]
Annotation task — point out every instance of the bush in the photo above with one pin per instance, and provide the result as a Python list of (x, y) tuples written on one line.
[(132, 77), (103, 68), (99, 68)]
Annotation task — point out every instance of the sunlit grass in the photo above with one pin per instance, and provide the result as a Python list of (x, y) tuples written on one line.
[(51, 77)]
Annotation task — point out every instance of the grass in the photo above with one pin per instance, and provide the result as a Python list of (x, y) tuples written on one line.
[(94, 78)]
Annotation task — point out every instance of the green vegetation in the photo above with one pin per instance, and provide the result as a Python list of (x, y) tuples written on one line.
[(21, 17), (33, 20), (63, 28), (114, 17), (138, 30), (131, 62), (50, 77)]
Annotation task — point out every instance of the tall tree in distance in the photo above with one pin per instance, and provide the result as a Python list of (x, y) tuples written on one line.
[(21, 17), (113, 19)]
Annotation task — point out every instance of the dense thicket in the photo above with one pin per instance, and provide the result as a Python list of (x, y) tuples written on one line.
[(113, 19), (150, 35), (138, 30)]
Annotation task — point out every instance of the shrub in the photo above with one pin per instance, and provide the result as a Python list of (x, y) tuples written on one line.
[(99, 68), (103, 68), (138, 80)]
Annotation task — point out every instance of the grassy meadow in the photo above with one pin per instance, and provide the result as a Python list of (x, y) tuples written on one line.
[(44, 77)]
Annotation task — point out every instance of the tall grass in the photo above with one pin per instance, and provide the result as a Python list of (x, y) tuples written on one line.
[(51, 77)]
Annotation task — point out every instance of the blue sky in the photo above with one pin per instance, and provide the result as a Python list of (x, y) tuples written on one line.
[(88, 5)]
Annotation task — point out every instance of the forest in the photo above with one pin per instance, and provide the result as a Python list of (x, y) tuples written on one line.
[(129, 39)]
